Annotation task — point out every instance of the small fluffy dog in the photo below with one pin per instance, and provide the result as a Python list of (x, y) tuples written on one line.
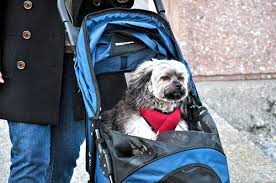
[(152, 102)]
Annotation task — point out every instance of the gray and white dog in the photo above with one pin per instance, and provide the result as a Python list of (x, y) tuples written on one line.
[(158, 85)]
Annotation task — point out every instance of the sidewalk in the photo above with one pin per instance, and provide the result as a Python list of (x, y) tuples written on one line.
[(247, 163), (249, 106)]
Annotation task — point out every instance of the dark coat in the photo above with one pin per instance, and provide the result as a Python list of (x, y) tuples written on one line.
[(31, 60)]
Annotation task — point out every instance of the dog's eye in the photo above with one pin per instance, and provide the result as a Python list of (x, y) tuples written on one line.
[(180, 78), (165, 78)]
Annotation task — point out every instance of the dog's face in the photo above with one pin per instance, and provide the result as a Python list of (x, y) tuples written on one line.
[(167, 80)]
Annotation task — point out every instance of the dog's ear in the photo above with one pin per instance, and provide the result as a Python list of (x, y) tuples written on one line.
[(139, 78)]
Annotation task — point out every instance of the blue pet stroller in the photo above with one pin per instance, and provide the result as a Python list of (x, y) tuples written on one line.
[(108, 44)]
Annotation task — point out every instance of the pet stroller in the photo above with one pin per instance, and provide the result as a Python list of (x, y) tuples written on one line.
[(115, 41)]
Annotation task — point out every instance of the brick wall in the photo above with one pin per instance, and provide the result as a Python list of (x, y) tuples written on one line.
[(226, 39)]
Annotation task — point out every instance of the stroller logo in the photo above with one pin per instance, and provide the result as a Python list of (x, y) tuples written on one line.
[(124, 43)]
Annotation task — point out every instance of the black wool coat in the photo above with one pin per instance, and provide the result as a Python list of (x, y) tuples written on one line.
[(31, 60)]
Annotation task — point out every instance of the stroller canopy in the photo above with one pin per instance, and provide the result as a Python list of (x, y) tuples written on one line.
[(118, 41)]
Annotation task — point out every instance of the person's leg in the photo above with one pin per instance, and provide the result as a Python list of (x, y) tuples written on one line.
[(68, 135), (41, 153), (30, 152)]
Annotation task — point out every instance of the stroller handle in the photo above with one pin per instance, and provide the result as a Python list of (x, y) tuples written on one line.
[(71, 30), (160, 8)]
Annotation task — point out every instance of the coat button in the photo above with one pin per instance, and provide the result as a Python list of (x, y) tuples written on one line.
[(28, 5), (26, 34), (20, 65)]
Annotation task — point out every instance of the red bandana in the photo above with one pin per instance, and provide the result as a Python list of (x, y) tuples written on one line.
[(161, 122)]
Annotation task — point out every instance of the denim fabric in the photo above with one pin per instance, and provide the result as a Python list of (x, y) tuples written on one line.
[(42, 153)]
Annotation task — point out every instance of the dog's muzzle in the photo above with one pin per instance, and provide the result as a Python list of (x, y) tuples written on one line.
[(175, 94), (175, 91)]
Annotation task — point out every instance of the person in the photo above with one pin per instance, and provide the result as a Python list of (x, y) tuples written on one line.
[(38, 93)]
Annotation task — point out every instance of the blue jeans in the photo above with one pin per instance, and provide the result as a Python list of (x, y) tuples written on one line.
[(42, 153)]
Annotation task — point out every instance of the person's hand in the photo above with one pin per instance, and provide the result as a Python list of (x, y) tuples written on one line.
[(1, 78)]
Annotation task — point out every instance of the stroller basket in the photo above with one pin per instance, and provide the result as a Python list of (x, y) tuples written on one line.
[(115, 41)]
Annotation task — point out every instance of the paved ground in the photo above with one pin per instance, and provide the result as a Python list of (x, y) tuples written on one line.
[(250, 107), (4, 151), (247, 162)]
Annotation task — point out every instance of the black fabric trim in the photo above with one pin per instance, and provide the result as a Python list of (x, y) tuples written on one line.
[(164, 157), (188, 166), (120, 36), (125, 163)]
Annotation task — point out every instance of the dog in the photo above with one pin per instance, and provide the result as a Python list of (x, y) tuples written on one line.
[(156, 89)]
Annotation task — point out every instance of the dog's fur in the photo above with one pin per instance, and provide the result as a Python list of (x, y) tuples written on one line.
[(157, 84)]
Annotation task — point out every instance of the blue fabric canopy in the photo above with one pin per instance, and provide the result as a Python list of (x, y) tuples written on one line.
[(95, 47)]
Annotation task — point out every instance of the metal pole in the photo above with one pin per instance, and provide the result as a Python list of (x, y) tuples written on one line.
[(71, 30), (160, 8)]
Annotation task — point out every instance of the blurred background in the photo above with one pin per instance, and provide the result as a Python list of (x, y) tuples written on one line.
[(230, 46)]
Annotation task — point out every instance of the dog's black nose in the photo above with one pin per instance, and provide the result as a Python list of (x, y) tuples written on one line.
[(177, 84)]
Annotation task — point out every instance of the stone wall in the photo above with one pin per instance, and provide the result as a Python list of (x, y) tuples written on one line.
[(226, 39)]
